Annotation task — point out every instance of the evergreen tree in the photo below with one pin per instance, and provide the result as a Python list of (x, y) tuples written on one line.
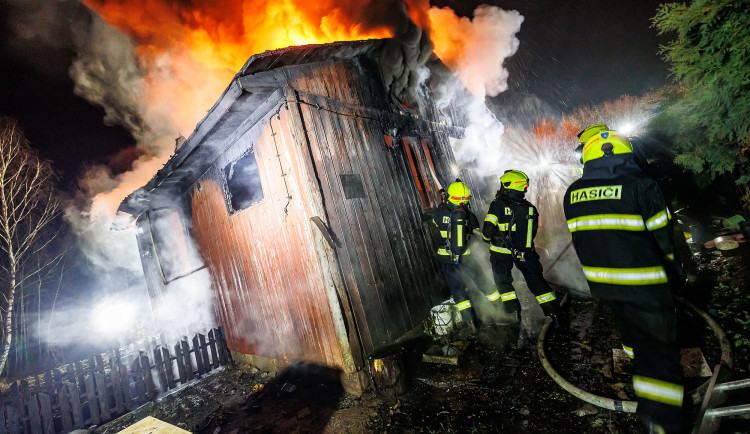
[(708, 114)]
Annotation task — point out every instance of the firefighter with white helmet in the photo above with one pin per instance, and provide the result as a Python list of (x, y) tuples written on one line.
[(622, 232), (510, 227), (455, 224)]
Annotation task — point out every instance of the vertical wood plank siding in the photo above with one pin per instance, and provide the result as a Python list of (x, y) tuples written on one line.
[(385, 253), (263, 259), (270, 293)]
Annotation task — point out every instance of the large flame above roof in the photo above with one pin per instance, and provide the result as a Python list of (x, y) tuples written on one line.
[(188, 50)]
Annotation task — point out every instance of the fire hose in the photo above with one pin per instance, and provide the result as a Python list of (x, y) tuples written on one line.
[(559, 256), (695, 395)]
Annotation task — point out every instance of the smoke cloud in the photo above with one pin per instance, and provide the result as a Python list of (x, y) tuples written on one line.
[(476, 48), (156, 67)]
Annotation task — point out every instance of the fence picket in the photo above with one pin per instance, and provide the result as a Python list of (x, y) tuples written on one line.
[(160, 372), (23, 390), (64, 400), (45, 408), (12, 419), (49, 387), (57, 377), (107, 386), (2, 419), (125, 387), (69, 374), (35, 419), (219, 347), (186, 357), (168, 367), (91, 396), (140, 385), (99, 363), (76, 406), (180, 363), (117, 387), (101, 391), (148, 377), (13, 394), (226, 352), (212, 345), (80, 376), (204, 353), (198, 355)]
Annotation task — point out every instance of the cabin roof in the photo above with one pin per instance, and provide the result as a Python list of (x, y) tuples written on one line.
[(250, 88), (302, 54)]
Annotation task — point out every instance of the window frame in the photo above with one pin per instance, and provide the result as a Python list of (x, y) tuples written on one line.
[(226, 183), (417, 148), (168, 277)]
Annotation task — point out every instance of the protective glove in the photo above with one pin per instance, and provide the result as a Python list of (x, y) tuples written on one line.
[(675, 265)]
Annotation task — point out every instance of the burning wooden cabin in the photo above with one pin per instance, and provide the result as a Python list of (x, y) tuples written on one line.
[(305, 188)]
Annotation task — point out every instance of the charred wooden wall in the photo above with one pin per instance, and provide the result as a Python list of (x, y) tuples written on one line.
[(268, 272), (385, 251), (263, 260)]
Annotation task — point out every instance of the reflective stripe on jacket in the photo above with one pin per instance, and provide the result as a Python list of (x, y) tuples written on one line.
[(621, 230), (511, 222), (441, 218)]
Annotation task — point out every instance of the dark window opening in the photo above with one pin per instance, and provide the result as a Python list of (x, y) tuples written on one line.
[(243, 183)]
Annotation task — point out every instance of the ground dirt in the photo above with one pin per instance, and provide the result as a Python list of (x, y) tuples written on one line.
[(499, 385)]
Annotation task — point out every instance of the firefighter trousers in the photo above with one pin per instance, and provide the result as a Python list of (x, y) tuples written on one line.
[(648, 325), (455, 279), (474, 273), (531, 268)]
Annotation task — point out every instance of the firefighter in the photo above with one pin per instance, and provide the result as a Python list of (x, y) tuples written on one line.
[(622, 229), (455, 224), (510, 228)]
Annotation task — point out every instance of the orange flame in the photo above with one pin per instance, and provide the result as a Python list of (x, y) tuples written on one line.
[(191, 50)]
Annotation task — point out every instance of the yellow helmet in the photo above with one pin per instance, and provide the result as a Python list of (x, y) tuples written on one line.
[(514, 180), (606, 143), (458, 193), (590, 132)]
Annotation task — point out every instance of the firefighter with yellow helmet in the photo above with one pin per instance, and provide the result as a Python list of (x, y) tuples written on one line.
[(622, 232), (510, 227), (455, 223)]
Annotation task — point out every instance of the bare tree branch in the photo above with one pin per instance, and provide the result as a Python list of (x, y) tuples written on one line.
[(28, 206)]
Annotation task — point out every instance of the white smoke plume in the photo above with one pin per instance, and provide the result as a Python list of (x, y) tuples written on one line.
[(482, 44), (489, 147)]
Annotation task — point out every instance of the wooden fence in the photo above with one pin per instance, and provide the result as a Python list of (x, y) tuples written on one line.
[(106, 386)]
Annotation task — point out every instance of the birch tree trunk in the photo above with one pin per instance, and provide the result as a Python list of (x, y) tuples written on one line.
[(27, 207), (8, 325)]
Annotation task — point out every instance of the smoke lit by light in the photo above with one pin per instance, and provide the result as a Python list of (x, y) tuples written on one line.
[(455, 170), (627, 128), (112, 317)]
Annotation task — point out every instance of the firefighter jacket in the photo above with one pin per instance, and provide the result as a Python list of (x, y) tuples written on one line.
[(621, 228), (511, 223), (455, 225)]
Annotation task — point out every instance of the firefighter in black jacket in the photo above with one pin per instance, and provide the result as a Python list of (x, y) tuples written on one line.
[(622, 232), (455, 224), (509, 228)]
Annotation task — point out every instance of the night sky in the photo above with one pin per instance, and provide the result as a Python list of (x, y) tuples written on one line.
[(571, 53)]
